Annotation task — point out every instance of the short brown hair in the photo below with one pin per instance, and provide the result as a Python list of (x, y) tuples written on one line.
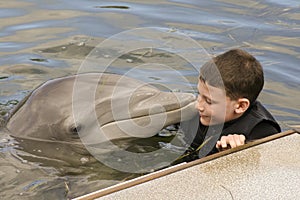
[(239, 73)]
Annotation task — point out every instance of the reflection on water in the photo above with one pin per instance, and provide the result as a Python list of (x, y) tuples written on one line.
[(41, 40)]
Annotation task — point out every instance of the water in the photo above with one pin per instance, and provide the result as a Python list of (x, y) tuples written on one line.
[(41, 40)]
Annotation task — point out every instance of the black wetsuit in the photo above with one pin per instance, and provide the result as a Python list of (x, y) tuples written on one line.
[(254, 124)]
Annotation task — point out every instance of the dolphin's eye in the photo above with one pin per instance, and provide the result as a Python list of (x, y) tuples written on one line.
[(74, 129)]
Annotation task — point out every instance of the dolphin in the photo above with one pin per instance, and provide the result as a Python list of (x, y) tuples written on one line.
[(97, 107)]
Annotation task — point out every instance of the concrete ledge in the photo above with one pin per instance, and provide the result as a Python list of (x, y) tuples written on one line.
[(216, 178)]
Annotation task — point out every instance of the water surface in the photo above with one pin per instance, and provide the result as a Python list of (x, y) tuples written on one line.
[(41, 40)]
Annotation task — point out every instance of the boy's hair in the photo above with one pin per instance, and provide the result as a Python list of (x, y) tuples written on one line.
[(241, 74)]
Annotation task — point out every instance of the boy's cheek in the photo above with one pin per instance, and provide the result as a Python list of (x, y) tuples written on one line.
[(217, 119), (213, 115)]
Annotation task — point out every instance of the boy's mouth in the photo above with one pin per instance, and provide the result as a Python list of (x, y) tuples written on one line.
[(202, 115)]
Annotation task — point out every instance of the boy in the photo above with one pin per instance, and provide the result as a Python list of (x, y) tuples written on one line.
[(228, 87)]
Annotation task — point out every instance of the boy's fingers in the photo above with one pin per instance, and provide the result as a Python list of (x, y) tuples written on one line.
[(219, 144), (238, 140), (242, 139), (224, 142), (233, 140)]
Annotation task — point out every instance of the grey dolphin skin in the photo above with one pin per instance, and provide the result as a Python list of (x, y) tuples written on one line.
[(121, 107)]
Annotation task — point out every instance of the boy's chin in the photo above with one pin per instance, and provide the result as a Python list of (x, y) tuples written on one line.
[(205, 121)]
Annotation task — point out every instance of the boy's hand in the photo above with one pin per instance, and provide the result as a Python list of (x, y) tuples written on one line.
[(231, 140)]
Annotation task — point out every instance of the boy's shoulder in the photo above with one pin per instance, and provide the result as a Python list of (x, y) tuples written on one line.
[(256, 114), (259, 111)]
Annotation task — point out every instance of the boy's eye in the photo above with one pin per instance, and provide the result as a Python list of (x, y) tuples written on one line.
[(208, 101)]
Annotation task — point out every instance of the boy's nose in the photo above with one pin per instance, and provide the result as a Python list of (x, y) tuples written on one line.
[(200, 108), (199, 104)]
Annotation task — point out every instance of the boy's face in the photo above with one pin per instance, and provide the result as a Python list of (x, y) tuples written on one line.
[(213, 105)]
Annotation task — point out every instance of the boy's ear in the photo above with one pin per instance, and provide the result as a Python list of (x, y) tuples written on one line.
[(242, 105)]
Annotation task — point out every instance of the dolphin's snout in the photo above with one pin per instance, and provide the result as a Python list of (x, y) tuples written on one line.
[(187, 102), (185, 98)]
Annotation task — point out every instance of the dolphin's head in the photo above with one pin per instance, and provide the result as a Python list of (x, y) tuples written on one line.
[(121, 107), (46, 113), (94, 109)]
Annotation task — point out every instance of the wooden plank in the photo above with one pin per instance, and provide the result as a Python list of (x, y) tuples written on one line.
[(178, 167)]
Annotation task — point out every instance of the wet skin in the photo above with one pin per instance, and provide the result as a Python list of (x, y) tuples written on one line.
[(58, 110)]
